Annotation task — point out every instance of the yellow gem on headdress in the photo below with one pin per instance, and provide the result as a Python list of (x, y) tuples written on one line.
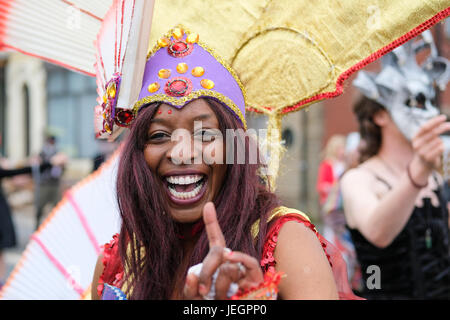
[(198, 72), (164, 73), (192, 38), (178, 33), (107, 128), (153, 87), (111, 90), (105, 98), (163, 42), (182, 68), (207, 84)]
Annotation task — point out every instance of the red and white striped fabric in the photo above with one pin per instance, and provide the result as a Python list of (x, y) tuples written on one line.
[(99, 38), (121, 49), (59, 31)]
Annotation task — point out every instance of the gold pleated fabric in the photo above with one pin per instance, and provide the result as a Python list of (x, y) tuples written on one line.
[(288, 51), (292, 53)]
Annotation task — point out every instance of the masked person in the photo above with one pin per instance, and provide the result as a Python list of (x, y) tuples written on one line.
[(393, 200)]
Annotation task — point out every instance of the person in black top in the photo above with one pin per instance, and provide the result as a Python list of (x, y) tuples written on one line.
[(394, 203)]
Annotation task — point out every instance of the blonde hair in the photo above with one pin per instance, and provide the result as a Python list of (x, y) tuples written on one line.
[(334, 143)]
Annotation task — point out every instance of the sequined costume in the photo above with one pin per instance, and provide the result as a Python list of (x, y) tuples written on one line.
[(113, 278), (309, 65)]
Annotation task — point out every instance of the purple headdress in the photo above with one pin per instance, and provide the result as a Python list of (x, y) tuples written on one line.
[(179, 69)]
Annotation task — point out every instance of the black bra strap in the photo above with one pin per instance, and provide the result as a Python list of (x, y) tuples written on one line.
[(378, 178)]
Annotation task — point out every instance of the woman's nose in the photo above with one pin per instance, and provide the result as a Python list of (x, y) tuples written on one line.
[(185, 149)]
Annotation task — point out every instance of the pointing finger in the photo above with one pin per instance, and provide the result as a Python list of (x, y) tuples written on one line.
[(215, 235)]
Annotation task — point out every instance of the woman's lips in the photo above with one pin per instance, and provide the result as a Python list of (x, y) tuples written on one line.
[(186, 189)]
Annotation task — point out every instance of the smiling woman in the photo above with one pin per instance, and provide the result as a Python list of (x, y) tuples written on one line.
[(189, 182), (165, 201), (162, 198), (196, 224)]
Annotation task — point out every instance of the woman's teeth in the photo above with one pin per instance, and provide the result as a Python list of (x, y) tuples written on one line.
[(186, 195), (184, 181)]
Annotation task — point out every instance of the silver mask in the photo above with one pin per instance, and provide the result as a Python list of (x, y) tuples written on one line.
[(405, 88)]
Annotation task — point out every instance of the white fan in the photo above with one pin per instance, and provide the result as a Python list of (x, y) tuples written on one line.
[(59, 260), (59, 31), (121, 54), (102, 38)]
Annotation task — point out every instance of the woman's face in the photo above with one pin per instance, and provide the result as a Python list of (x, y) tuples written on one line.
[(185, 150)]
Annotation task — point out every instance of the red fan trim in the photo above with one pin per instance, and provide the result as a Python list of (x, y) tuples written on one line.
[(4, 12), (84, 222), (64, 65), (373, 57), (82, 10), (59, 266)]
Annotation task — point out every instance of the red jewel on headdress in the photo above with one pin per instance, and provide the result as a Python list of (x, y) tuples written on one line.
[(124, 118), (180, 48), (178, 87)]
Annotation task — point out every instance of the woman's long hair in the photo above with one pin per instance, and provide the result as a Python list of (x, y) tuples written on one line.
[(242, 200), (370, 132)]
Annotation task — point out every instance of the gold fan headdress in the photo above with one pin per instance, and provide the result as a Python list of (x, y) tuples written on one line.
[(290, 54), (287, 53)]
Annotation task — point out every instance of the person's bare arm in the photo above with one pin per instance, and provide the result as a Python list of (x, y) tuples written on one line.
[(381, 220), (378, 220), (97, 273), (301, 258)]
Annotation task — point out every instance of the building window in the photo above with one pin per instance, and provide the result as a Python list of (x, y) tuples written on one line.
[(71, 98)]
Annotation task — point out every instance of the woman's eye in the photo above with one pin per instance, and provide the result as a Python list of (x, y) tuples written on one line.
[(159, 136), (205, 135)]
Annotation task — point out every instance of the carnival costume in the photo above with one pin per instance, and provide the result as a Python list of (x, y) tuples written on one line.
[(416, 265), (179, 69), (267, 57)]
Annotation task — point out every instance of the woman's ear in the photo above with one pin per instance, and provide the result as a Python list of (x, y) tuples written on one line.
[(381, 118)]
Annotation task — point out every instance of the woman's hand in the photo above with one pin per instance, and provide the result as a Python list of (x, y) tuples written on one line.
[(231, 267), (428, 149)]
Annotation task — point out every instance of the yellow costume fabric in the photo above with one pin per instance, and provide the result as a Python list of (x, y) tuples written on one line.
[(289, 54), (287, 51)]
